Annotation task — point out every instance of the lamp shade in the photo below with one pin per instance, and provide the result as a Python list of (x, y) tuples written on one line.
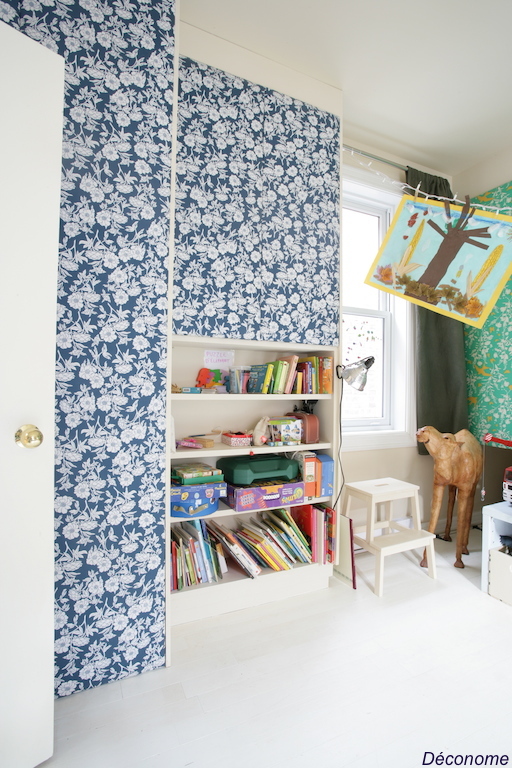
[(356, 373)]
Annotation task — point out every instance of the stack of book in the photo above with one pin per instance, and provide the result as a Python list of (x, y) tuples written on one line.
[(196, 557), (273, 540), (291, 374), (319, 524)]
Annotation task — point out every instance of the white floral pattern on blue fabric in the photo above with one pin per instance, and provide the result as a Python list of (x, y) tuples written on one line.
[(257, 212), (111, 332)]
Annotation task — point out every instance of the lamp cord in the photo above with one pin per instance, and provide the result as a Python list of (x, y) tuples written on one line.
[(339, 447)]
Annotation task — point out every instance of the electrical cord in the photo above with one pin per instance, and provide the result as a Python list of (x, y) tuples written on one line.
[(339, 445)]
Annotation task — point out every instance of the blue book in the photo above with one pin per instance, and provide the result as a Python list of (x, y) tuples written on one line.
[(211, 552), (193, 527)]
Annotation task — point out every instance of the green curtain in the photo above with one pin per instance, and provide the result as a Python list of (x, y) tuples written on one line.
[(441, 389)]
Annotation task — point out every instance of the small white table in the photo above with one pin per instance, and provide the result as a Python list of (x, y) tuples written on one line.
[(496, 520)]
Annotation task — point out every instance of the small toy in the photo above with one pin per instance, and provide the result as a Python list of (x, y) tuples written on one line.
[(507, 485), (209, 379), (189, 442), (238, 439), (287, 431), (259, 433), (507, 475)]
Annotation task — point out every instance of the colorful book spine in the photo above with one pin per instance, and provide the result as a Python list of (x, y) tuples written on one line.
[(292, 361), (268, 381), (326, 365)]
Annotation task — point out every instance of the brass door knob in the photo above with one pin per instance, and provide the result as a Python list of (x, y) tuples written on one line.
[(29, 436)]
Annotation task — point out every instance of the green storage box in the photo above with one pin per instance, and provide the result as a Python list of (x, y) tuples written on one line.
[(245, 470)]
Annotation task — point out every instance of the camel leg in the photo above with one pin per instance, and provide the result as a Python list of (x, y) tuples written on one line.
[(452, 491), (437, 500), (463, 517), (467, 521)]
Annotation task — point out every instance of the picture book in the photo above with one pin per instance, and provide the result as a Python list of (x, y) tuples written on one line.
[(314, 372), (275, 539), (331, 534), (296, 544), (307, 378), (269, 378), (296, 530), (234, 548), (325, 374), (292, 361), (194, 528), (257, 376), (267, 544), (280, 374), (306, 518)]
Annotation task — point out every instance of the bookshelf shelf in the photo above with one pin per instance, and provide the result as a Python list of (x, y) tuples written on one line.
[(238, 591), (225, 511), (180, 396), (221, 449)]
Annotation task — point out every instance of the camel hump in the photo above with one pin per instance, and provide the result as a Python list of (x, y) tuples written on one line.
[(465, 436)]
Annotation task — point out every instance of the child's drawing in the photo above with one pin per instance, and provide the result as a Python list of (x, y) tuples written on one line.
[(449, 258)]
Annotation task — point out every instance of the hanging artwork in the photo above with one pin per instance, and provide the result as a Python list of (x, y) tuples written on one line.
[(449, 258)]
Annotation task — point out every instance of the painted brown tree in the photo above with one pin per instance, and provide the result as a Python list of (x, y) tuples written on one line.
[(454, 238)]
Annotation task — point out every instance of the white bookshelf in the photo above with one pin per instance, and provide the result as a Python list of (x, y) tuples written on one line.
[(196, 414)]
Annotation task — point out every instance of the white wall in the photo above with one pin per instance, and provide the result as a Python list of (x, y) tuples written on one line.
[(209, 49), (493, 172)]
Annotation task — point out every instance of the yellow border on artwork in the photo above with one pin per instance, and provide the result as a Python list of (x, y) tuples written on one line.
[(489, 306)]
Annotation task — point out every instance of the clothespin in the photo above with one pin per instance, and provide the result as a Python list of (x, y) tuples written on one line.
[(416, 192)]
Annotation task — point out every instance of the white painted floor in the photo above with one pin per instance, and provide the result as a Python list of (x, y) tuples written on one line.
[(336, 678)]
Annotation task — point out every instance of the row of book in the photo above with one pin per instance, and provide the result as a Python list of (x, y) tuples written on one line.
[(291, 374), (202, 550)]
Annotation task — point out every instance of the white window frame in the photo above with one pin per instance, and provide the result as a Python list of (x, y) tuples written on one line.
[(362, 190)]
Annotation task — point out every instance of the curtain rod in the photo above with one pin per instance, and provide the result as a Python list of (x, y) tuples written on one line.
[(375, 157)]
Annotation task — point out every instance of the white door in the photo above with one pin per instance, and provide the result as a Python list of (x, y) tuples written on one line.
[(31, 98)]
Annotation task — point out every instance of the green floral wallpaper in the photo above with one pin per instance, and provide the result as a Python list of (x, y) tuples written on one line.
[(488, 352)]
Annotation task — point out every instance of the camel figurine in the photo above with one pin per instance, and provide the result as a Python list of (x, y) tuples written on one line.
[(457, 464)]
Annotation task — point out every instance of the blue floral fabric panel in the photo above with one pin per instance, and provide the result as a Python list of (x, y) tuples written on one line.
[(300, 301), (217, 259), (111, 331), (257, 212)]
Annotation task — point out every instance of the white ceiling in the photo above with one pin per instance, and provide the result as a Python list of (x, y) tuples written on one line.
[(427, 81)]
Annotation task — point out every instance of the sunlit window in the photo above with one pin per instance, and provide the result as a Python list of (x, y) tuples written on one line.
[(374, 322)]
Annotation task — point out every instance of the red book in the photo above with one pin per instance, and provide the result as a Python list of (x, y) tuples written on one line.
[(305, 517)]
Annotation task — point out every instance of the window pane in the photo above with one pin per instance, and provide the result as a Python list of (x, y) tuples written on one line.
[(360, 243), (363, 335)]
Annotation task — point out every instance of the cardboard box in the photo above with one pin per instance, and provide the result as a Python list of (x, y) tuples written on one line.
[(230, 438), (308, 471), (325, 475), (196, 500), (252, 498), (500, 575)]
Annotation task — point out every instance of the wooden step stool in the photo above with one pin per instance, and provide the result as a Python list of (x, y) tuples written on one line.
[(399, 538)]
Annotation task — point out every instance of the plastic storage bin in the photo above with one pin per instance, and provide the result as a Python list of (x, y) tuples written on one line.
[(246, 470), (500, 575)]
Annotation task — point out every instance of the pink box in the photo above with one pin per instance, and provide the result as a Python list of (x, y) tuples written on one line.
[(238, 440), (251, 498)]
